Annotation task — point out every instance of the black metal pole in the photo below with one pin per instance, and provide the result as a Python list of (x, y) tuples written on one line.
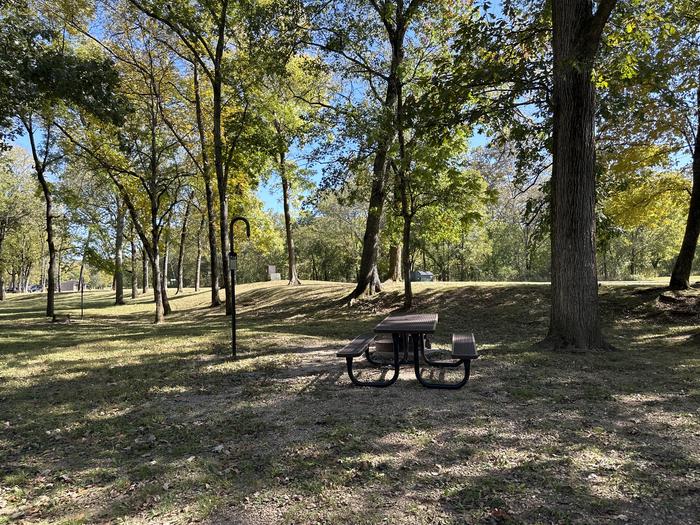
[(234, 263), (232, 254)]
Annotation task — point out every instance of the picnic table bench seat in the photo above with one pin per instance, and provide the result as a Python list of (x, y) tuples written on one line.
[(357, 346), (463, 351), (464, 346)]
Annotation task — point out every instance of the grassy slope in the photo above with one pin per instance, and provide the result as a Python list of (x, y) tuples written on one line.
[(112, 418)]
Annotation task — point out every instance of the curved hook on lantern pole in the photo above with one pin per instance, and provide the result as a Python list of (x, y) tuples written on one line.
[(234, 221)]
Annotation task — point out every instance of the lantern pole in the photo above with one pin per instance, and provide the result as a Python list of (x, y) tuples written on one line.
[(233, 263)]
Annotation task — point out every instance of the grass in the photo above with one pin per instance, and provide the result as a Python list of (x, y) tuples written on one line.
[(114, 419)]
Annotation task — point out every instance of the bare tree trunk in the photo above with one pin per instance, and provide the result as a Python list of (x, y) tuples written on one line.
[(167, 310), (209, 194), (680, 277), (144, 270), (42, 279), (574, 315), (220, 168), (198, 263), (291, 256), (134, 277), (2, 265), (407, 287), (119, 254), (58, 270), (157, 288), (181, 248), (395, 263)]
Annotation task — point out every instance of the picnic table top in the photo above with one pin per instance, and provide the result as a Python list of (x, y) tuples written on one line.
[(408, 323)]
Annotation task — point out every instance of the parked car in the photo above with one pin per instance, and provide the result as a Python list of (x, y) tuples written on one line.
[(421, 275)]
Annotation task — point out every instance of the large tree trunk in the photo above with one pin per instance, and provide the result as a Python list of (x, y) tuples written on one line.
[(2, 265), (39, 168), (181, 248), (680, 277), (291, 256), (42, 279), (119, 254), (157, 289), (366, 276), (574, 316), (2, 270)]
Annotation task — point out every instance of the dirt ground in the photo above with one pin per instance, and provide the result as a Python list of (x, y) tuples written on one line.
[(111, 419)]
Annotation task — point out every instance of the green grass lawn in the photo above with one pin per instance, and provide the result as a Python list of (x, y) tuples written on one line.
[(114, 419)]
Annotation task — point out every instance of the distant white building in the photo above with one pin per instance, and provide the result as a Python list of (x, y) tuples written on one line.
[(70, 286)]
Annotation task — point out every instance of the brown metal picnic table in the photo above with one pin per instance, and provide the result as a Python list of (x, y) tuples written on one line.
[(403, 328)]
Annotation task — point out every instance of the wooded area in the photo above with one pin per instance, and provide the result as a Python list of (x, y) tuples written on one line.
[(540, 160), (478, 141)]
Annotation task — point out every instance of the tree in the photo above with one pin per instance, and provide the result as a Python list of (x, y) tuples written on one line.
[(296, 95), (218, 41), (183, 238), (16, 202), (577, 33), (45, 158), (685, 92), (36, 89), (140, 158)]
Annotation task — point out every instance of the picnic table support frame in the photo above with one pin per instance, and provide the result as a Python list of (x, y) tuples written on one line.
[(381, 383), (418, 346)]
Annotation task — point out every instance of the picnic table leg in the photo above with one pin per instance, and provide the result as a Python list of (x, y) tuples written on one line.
[(380, 383), (418, 347), (439, 364)]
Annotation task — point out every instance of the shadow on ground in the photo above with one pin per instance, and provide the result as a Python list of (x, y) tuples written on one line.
[(112, 418)]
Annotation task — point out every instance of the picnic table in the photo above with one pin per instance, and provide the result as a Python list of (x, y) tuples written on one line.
[(406, 329)]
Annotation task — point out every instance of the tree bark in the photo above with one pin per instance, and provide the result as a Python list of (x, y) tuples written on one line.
[(406, 262), (39, 168), (119, 254), (395, 263), (2, 268), (42, 279), (181, 248), (51, 279), (219, 167), (682, 269), (198, 262), (574, 319), (167, 310), (157, 289), (144, 270), (291, 256), (209, 196), (134, 278)]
